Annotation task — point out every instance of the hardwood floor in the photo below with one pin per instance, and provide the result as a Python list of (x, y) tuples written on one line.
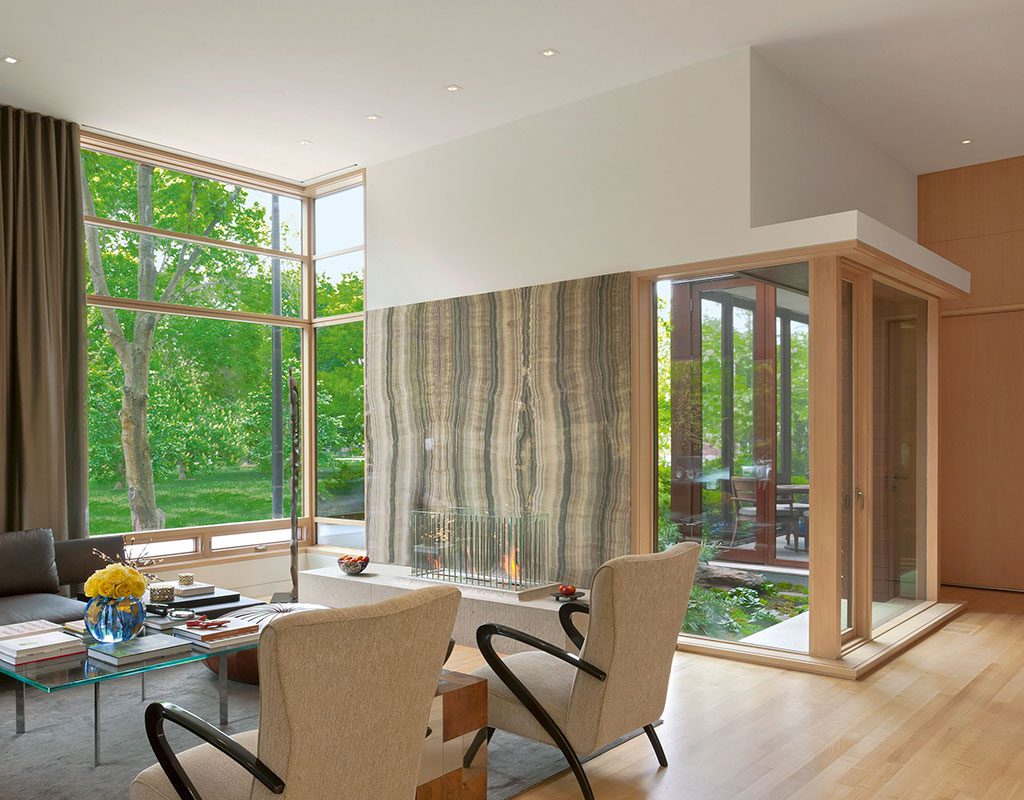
[(944, 721)]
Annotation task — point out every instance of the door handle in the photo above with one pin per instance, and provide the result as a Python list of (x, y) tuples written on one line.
[(860, 498)]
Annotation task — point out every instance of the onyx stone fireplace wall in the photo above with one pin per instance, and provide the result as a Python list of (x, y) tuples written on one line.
[(512, 401)]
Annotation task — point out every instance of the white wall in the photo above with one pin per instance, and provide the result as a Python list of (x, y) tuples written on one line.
[(806, 160), (668, 171), (624, 180)]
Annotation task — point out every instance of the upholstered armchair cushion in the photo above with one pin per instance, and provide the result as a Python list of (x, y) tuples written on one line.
[(27, 563), (214, 775), (344, 702), (636, 611)]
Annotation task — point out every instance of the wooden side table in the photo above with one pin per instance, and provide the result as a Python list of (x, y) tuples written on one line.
[(457, 714)]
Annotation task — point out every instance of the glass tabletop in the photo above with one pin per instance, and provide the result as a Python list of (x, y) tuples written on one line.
[(52, 676)]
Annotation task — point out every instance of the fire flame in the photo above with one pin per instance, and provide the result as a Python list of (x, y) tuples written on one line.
[(510, 564)]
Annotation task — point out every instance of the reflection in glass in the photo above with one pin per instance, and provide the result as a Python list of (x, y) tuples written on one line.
[(898, 469), (846, 455), (722, 381)]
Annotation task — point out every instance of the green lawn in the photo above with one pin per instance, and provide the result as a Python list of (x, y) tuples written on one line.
[(236, 495)]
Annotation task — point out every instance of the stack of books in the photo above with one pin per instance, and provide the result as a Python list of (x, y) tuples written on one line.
[(47, 645), (18, 629), (151, 647), (233, 633)]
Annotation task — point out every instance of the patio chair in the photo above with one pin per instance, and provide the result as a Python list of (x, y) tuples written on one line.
[(344, 701), (744, 501), (619, 681)]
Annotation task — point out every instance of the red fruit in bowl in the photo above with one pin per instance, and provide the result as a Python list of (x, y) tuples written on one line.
[(567, 589)]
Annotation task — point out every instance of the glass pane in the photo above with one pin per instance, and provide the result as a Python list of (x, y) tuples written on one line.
[(339, 284), (716, 451), (141, 267), (251, 538), (846, 457), (898, 469), (342, 534), (339, 220), (174, 547), (184, 420), (127, 191), (792, 442), (339, 422)]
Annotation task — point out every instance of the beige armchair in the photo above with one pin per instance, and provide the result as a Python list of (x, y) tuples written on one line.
[(344, 701), (618, 682)]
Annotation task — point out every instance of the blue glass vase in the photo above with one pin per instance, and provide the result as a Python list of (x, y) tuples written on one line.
[(114, 619)]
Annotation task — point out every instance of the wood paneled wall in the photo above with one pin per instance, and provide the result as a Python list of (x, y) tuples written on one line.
[(509, 401), (974, 216)]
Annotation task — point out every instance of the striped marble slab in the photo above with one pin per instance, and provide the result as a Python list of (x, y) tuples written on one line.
[(510, 401)]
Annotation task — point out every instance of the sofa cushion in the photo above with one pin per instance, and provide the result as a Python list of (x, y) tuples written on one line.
[(28, 607), (27, 562)]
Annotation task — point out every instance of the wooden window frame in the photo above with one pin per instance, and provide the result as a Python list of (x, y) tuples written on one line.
[(832, 651), (306, 323)]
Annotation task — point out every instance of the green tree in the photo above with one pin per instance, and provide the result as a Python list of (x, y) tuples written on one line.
[(153, 268)]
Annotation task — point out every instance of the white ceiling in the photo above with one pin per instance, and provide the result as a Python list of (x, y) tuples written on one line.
[(242, 81)]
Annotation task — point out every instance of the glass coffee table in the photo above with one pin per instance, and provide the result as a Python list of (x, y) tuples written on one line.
[(56, 676)]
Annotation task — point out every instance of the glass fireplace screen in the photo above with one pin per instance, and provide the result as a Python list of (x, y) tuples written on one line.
[(480, 548)]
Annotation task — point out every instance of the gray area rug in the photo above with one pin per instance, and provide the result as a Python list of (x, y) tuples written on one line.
[(52, 760)]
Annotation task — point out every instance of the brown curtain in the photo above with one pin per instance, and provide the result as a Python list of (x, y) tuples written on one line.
[(42, 331)]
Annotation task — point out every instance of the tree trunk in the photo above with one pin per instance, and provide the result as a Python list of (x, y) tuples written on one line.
[(135, 442)]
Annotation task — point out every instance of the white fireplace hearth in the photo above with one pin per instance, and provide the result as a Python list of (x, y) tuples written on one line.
[(532, 610)]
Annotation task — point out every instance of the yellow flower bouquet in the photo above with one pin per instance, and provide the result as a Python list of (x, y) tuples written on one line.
[(115, 612), (116, 581)]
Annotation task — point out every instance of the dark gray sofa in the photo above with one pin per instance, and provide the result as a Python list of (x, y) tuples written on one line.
[(34, 569)]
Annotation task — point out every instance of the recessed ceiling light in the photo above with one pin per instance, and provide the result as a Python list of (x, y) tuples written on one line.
[(549, 52), (10, 60), (453, 87), (965, 141), (304, 141), (373, 116)]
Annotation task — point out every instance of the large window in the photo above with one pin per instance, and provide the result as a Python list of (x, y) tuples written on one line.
[(197, 316), (339, 267), (733, 449)]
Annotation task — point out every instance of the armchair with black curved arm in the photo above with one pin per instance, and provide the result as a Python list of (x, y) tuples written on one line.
[(484, 635), (617, 683), (309, 740), (156, 713)]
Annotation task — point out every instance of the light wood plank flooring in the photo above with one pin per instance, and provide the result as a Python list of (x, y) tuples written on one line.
[(944, 721)]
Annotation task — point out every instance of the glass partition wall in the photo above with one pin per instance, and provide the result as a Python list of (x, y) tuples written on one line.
[(733, 461), (792, 427)]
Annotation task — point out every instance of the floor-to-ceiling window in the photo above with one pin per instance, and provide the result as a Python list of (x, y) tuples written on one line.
[(339, 265), (733, 376), (200, 306)]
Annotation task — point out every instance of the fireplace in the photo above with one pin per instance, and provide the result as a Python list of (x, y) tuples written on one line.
[(481, 548)]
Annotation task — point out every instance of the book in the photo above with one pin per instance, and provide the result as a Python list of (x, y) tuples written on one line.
[(17, 630), (193, 589), (150, 647), (227, 644), (39, 647), (233, 627), (76, 627), (161, 623)]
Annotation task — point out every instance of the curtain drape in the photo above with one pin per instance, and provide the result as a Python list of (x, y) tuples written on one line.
[(42, 330)]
